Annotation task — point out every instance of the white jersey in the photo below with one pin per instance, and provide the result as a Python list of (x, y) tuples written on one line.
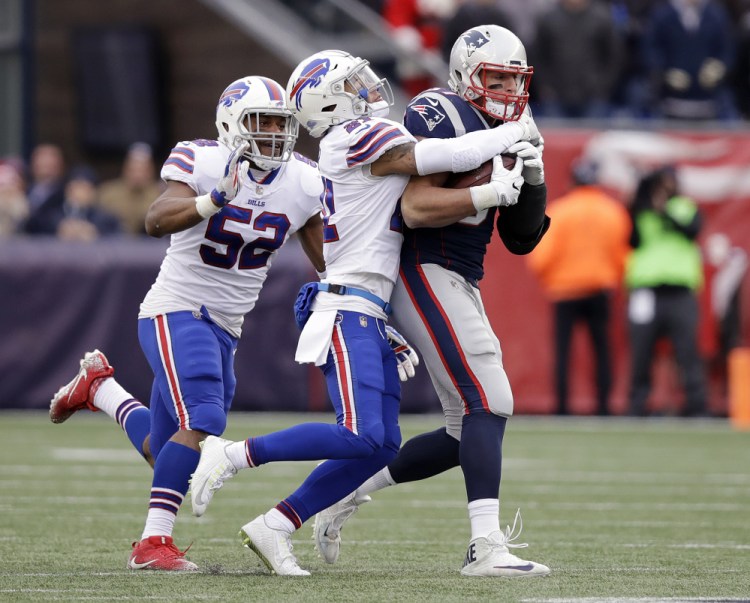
[(362, 232), (221, 263)]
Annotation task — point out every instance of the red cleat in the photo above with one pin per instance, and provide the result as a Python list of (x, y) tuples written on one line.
[(79, 393), (159, 553)]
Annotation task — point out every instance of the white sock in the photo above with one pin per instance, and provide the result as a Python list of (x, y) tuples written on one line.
[(236, 454), (484, 515), (276, 520), (159, 522), (110, 396), (382, 479)]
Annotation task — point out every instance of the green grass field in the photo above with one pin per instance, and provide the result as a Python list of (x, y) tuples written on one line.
[(621, 510)]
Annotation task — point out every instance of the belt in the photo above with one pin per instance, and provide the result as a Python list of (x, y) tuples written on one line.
[(346, 290)]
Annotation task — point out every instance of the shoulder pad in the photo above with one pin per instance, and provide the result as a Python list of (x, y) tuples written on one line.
[(304, 159), (310, 180)]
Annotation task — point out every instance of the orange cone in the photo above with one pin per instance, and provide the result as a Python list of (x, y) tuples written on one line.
[(738, 373)]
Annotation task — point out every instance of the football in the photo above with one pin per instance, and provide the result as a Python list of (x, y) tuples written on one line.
[(477, 176)]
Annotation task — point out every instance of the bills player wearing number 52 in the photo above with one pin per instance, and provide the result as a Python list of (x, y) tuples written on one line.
[(229, 205), (365, 161), (437, 302)]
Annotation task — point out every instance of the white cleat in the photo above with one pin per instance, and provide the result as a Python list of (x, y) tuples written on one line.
[(330, 521), (214, 468), (490, 556), (274, 547)]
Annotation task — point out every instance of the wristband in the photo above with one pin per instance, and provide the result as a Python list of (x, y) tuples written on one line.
[(483, 196), (205, 206)]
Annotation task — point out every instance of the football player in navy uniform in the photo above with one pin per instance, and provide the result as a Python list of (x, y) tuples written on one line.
[(438, 307)]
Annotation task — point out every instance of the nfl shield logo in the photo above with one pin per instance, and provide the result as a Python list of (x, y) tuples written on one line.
[(363, 321)]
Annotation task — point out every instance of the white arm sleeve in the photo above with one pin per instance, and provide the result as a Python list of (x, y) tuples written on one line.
[(434, 155)]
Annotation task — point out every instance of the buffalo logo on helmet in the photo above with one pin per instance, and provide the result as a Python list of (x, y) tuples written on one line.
[(310, 77), (234, 93), (474, 40), (430, 114)]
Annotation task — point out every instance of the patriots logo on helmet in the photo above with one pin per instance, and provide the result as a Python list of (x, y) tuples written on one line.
[(234, 93), (310, 77), (474, 39), (430, 114)]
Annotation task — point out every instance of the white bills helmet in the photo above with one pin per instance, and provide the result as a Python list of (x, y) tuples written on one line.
[(239, 116), (332, 87)]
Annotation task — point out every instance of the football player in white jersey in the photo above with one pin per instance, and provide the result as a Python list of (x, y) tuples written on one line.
[(229, 205), (438, 306), (365, 160)]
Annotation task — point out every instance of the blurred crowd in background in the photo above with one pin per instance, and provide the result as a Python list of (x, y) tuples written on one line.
[(642, 59), (674, 59), (48, 197), (685, 61)]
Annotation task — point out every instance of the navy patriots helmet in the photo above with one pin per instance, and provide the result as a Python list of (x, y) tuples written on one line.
[(332, 87), (238, 119), (484, 50)]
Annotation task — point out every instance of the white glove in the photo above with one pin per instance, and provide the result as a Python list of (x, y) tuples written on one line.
[(503, 188), (406, 356), (226, 188), (531, 131), (539, 144), (533, 166), (229, 184)]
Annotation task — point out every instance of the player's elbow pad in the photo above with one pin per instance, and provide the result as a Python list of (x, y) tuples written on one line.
[(522, 226), (467, 152)]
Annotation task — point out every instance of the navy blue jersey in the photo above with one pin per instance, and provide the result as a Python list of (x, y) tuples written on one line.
[(440, 113)]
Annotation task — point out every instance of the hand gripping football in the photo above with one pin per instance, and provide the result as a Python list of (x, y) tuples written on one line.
[(480, 175)]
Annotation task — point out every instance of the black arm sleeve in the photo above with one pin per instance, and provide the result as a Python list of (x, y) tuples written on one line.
[(522, 226)]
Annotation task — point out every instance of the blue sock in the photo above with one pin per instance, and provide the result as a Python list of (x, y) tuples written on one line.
[(172, 470), (135, 419), (331, 481), (309, 442)]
